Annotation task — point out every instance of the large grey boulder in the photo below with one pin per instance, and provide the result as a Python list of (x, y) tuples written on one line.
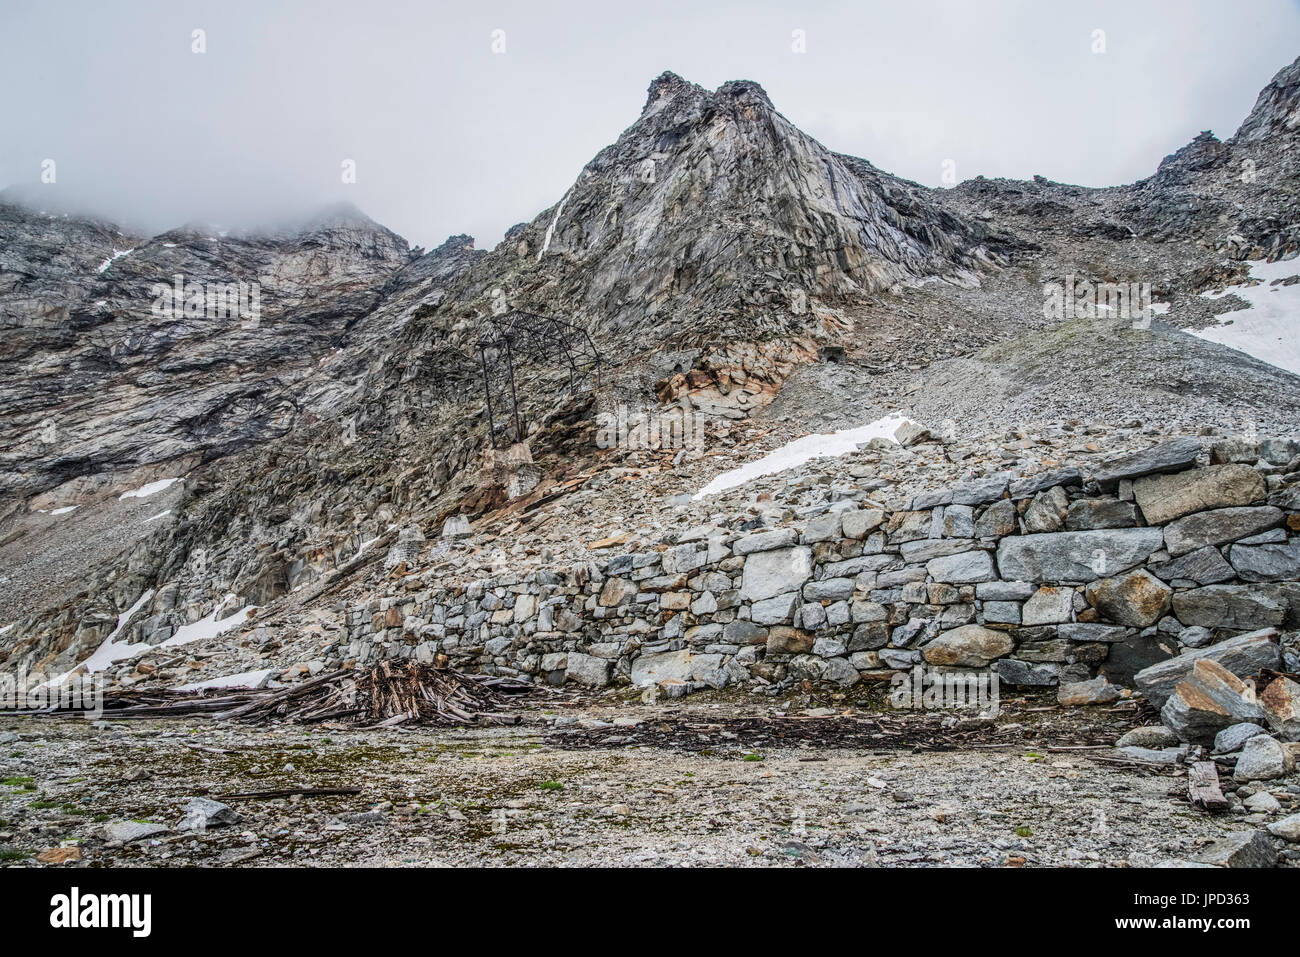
[(962, 568), (1242, 656), (1266, 563), (1243, 849), (771, 573), (1219, 526), (1205, 566), (1075, 556), (588, 670), (1172, 456), (1263, 759), (1164, 498), (1229, 606)]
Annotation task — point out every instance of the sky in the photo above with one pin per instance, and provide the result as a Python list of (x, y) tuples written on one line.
[(454, 127)]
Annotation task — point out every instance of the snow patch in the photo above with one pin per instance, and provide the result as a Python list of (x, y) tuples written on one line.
[(117, 254), (1268, 328), (796, 453), (153, 488), (65, 510), (550, 230), (111, 650), (208, 627), (245, 679), (162, 514)]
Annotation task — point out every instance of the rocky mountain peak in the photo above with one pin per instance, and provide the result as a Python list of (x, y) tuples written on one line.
[(1277, 109)]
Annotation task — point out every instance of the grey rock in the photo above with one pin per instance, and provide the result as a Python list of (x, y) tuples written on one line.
[(1262, 759), (1218, 527), (1266, 563), (1075, 556), (1173, 456), (1243, 656), (1231, 738), (203, 813), (1229, 606), (1243, 849), (771, 573)]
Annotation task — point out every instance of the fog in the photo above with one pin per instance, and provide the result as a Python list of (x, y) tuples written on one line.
[(449, 135)]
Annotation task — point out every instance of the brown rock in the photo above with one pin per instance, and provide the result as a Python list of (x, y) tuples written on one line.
[(1137, 599), (970, 646), (1164, 498)]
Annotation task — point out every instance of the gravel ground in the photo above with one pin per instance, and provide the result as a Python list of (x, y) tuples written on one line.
[(569, 787)]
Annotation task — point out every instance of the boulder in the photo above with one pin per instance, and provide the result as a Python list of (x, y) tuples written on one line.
[(775, 611), (1218, 527), (1229, 606), (970, 646), (588, 670), (203, 813), (771, 573), (1266, 563), (617, 591), (1243, 849), (1231, 738), (962, 568), (1049, 605), (1098, 690), (1174, 456), (1089, 514), (998, 519), (1281, 704), (1205, 566), (1164, 498), (1137, 598), (788, 641), (1210, 700), (1242, 656), (1046, 513), (1288, 828), (1075, 556), (1262, 759), (765, 541), (1031, 486)]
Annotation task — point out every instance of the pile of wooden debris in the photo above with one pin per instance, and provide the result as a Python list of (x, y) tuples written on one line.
[(388, 694)]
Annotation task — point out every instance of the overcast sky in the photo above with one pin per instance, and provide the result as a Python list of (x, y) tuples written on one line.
[(448, 136)]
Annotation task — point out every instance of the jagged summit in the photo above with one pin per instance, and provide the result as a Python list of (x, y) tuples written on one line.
[(1277, 109)]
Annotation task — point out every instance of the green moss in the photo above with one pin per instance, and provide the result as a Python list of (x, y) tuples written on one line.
[(1024, 831), (551, 786), (26, 783), (12, 854)]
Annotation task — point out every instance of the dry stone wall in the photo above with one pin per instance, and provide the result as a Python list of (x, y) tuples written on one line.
[(1059, 579)]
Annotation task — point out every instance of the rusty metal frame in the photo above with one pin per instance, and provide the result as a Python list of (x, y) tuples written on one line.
[(533, 339)]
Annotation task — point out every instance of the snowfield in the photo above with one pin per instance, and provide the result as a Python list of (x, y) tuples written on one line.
[(1269, 328), (796, 453)]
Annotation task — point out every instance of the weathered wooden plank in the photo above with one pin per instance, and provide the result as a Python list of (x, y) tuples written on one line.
[(1203, 787)]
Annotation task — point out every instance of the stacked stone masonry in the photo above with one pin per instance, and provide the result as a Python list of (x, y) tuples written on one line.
[(1059, 579)]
